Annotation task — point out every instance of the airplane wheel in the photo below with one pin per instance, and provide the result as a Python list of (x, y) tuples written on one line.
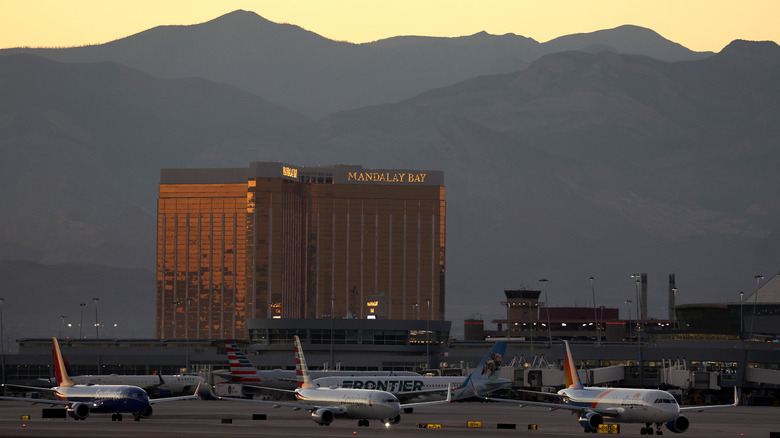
[(118, 417), (113, 417)]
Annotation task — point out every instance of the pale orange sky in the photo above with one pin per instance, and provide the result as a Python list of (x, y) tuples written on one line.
[(697, 24)]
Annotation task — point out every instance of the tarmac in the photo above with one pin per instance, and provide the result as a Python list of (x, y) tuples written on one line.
[(214, 418)]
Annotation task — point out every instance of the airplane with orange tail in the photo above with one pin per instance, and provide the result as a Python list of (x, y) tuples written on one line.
[(82, 400), (596, 406)]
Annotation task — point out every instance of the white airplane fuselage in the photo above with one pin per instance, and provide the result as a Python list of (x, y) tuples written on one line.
[(356, 403), (176, 384), (628, 405)]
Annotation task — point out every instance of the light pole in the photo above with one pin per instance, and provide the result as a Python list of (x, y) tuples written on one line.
[(62, 324), (428, 334), (674, 308), (81, 319), (629, 319), (97, 324), (547, 308), (508, 324), (758, 278), (2, 340), (530, 325), (636, 278), (741, 324), (187, 332), (595, 314), (332, 305), (601, 319)]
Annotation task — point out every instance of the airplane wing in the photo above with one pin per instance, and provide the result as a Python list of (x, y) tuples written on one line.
[(609, 412), (278, 404), (181, 397), (34, 388), (707, 408), (427, 403), (43, 401), (269, 388)]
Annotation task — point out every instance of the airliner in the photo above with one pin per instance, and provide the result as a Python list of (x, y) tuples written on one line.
[(619, 405), (178, 384), (151, 383), (242, 371), (326, 404), (82, 400), (484, 380)]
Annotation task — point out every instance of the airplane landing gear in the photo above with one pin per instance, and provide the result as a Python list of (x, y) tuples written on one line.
[(362, 423), (648, 429)]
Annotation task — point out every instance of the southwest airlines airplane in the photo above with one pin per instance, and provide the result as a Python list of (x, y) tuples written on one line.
[(325, 404), (151, 383), (157, 384), (619, 405), (82, 400), (481, 382)]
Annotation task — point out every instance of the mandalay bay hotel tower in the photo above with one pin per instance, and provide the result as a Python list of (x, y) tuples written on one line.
[(279, 241)]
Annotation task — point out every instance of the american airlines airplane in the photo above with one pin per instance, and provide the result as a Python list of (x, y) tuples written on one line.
[(326, 404), (242, 371), (82, 400), (481, 382), (618, 405)]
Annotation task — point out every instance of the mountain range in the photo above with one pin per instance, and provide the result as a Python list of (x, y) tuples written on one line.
[(600, 154), (316, 76)]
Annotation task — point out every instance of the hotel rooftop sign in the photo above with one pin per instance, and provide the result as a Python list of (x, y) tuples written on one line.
[(335, 174)]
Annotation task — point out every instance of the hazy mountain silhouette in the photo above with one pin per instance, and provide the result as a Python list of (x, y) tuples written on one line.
[(83, 142), (599, 163), (582, 164), (36, 295), (317, 76)]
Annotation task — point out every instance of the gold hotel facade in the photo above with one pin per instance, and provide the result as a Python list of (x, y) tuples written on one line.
[(276, 240)]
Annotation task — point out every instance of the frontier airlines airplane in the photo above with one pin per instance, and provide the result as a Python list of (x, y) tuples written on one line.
[(618, 405), (484, 380), (326, 404)]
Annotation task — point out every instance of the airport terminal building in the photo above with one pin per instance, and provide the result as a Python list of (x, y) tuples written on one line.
[(280, 241)]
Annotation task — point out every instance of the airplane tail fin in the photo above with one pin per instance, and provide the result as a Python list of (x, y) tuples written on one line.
[(487, 370), (241, 369), (301, 370), (60, 369), (570, 369)]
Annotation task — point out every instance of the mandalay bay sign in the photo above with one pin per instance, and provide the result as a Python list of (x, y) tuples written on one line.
[(387, 177)]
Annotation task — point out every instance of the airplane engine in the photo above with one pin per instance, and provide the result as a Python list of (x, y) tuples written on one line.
[(679, 425), (590, 421), (322, 416), (79, 411), (147, 412)]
